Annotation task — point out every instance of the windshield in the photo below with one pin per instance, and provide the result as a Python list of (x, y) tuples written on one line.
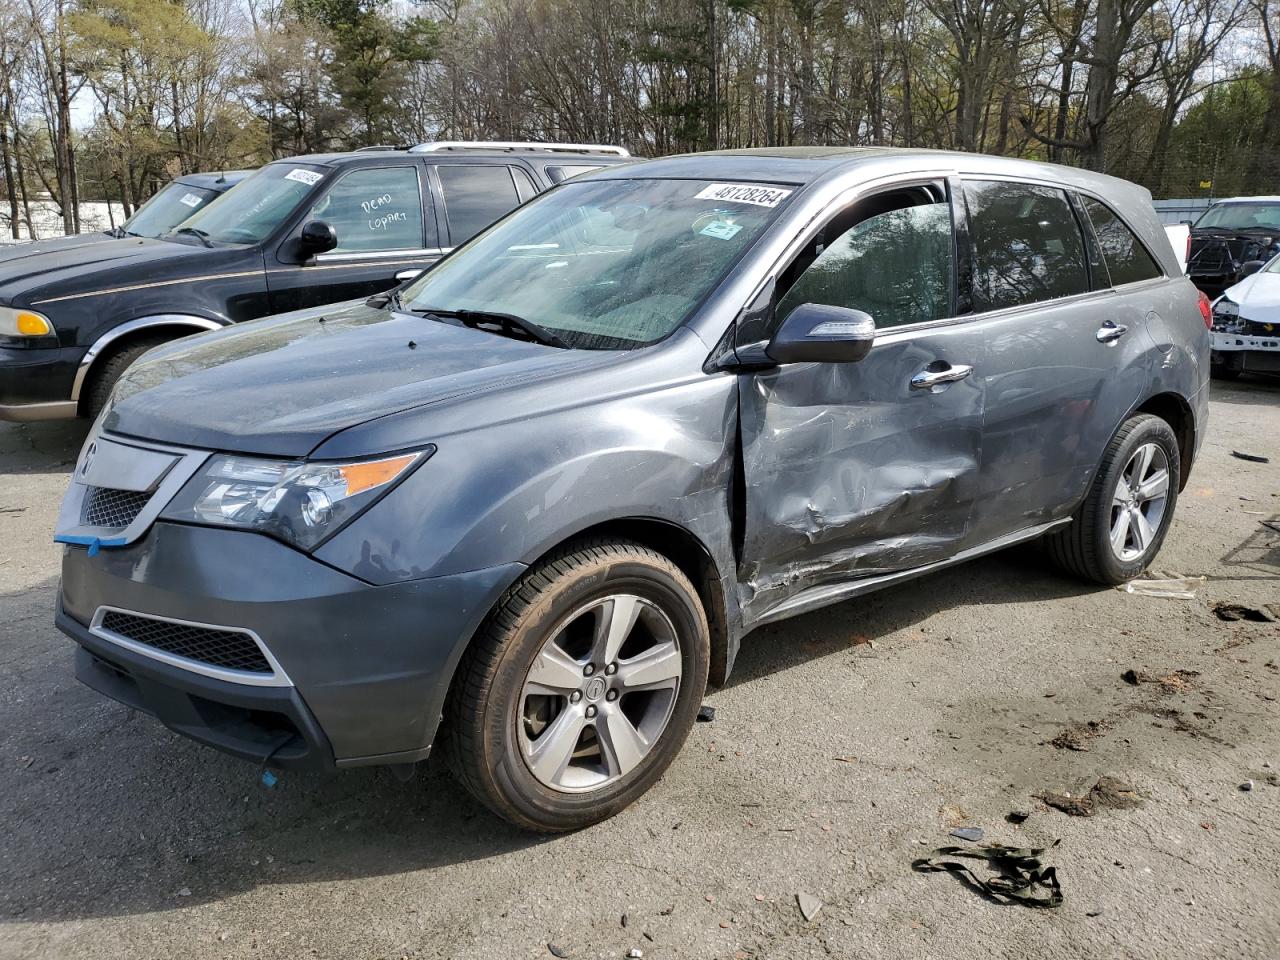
[(167, 209), (604, 264), (258, 205), (1242, 216)]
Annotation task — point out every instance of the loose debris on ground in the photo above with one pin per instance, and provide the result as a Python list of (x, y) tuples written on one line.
[(1170, 588), (1108, 792), (1076, 735), (809, 905), (1020, 876), (1177, 680), (1236, 611), (1251, 457)]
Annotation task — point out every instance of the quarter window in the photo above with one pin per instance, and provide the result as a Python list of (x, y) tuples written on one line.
[(475, 195), (1126, 258), (379, 208), (1027, 245), (895, 266)]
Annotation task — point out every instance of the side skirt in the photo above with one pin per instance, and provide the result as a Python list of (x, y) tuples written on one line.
[(816, 597)]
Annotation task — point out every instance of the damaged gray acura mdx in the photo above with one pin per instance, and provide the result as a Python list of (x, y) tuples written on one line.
[(527, 505)]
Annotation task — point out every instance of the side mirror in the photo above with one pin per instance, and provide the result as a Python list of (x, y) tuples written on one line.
[(318, 237), (1250, 267), (815, 332), (1187, 223)]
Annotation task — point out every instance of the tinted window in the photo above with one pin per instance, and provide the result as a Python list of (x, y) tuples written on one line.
[(1027, 245), (375, 209), (564, 172), (1126, 258), (896, 266), (474, 197), (168, 208), (258, 205)]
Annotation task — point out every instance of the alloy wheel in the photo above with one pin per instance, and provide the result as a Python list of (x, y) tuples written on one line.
[(599, 693), (1138, 503)]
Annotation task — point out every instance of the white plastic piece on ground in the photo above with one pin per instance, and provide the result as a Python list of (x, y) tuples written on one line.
[(1171, 588)]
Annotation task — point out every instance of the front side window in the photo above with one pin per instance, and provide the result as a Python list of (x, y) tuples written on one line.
[(895, 266), (167, 209), (1126, 258), (607, 264), (258, 205), (475, 195), (1027, 245), (378, 208)]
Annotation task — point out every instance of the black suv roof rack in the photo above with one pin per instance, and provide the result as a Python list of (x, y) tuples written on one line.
[(441, 146)]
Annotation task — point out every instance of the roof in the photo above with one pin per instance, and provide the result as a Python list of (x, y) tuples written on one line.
[(449, 156), (221, 180)]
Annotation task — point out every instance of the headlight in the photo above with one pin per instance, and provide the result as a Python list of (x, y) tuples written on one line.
[(23, 323), (299, 502), (1226, 308)]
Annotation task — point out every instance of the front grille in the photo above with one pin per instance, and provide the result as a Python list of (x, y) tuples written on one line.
[(228, 649), (108, 507)]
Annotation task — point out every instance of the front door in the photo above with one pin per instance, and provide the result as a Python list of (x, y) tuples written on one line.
[(383, 233), (852, 470)]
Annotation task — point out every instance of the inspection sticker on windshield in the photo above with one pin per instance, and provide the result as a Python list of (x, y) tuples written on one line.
[(309, 177), (190, 199), (721, 230), (744, 193)]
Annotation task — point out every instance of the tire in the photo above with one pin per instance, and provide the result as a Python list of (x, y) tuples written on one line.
[(109, 369), (1085, 548), (499, 709)]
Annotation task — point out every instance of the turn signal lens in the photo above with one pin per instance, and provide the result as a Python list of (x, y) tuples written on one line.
[(33, 325), (1206, 311), (366, 476)]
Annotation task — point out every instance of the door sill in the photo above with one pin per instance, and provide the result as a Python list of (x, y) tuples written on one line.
[(829, 593)]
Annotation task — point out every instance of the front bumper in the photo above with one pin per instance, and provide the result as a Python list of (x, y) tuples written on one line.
[(1250, 352), (36, 384), (367, 667)]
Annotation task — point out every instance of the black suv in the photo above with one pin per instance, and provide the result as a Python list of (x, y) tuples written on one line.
[(296, 234)]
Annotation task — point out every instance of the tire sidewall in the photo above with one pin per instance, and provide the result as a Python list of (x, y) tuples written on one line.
[(1148, 429), (581, 586)]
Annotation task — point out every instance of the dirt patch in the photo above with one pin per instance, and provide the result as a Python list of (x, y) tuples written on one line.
[(1177, 680), (1076, 735), (1107, 793)]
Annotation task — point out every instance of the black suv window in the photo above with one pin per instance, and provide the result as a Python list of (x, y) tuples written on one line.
[(895, 266), (1126, 258), (475, 195), (1027, 245), (378, 208)]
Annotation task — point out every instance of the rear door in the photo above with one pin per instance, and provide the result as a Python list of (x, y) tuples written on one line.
[(856, 469), (1065, 353), (386, 231)]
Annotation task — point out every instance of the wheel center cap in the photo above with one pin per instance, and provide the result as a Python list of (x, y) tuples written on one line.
[(595, 688)]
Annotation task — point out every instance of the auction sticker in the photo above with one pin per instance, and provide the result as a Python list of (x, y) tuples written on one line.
[(309, 177), (756, 195), (191, 200)]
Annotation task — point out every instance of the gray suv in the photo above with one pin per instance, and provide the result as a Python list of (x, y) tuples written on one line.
[(527, 505)]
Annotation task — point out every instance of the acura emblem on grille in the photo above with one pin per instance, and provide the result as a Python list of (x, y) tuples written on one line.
[(89, 454)]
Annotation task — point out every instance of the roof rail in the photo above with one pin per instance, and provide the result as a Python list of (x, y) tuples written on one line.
[(514, 145), (377, 148)]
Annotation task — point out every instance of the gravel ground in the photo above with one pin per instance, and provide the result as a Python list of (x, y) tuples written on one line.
[(849, 742)]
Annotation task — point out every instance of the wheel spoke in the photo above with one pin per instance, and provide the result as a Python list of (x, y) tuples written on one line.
[(1156, 485), (655, 669), (553, 673), (1119, 532), (1142, 532), (549, 755), (1142, 462), (620, 742), (614, 622)]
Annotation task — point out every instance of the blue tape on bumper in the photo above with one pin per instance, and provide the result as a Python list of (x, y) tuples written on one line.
[(93, 543)]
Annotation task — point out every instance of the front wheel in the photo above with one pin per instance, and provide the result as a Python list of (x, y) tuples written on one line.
[(582, 686), (1122, 523)]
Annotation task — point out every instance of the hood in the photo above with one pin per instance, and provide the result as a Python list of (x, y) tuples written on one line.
[(29, 247), (281, 386), (1258, 296), (51, 268)]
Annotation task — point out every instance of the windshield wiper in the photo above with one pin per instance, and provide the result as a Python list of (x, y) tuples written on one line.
[(505, 321), (198, 234)]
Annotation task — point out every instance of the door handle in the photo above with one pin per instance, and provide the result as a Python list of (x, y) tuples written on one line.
[(1110, 332), (927, 378)]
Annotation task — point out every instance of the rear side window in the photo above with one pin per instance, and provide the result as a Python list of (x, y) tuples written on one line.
[(475, 195), (1027, 245), (1126, 258)]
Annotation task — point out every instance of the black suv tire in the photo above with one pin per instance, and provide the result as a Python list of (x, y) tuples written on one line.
[(109, 369), (1085, 548), (489, 718)]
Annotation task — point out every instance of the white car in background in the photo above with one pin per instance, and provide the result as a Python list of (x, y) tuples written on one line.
[(1179, 235), (1246, 323)]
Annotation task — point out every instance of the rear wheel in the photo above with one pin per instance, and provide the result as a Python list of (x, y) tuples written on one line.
[(582, 686), (1122, 523), (108, 369)]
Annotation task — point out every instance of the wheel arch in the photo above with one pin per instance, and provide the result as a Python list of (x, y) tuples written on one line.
[(125, 333), (1175, 411)]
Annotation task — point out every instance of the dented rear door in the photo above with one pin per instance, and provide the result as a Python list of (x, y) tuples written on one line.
[(851, 471)]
